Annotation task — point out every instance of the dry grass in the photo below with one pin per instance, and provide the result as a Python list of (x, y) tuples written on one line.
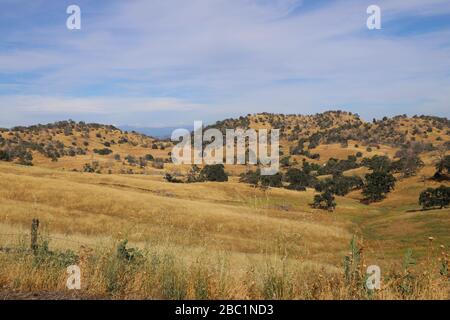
[(167, 273), (211, 240)]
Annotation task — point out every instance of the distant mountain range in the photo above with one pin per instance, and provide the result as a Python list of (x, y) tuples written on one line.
[(161, 133)]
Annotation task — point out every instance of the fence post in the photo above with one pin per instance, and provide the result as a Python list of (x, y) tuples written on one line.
[(34, 235)]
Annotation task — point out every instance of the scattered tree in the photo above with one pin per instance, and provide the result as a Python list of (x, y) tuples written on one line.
[(435, 198), (377, 185), (324, 201)]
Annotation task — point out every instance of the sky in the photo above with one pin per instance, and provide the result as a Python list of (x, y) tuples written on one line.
[(157, 63)]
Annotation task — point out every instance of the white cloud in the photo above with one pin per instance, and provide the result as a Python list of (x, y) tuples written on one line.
[(94, 105), (235, 56)]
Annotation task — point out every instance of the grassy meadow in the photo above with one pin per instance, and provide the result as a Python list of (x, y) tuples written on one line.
[(212, 240), (105, 204)]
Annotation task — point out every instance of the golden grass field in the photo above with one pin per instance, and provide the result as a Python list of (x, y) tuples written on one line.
[(212, 240)]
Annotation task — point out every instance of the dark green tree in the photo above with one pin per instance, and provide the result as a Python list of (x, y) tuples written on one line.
[(443, 164), (377, 185), (299, 179), (274, 181), (214, 172), (251, 177), (378, 163), (432, 198), (324, 201)]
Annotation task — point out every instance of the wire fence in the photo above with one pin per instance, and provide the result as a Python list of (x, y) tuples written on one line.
[(17, 237), (34, 239)]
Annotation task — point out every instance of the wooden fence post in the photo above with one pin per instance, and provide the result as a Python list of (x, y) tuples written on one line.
[(34, 235)]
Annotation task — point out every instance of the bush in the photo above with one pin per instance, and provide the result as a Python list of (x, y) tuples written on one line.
[(300, 179), (129, 254), (214, 172), (92, 167), (44, 257), (251, 177), (131, 159), (378, 163), (158, 163), (284, 162), (103, 152), (324, 201), (409, 162), (274, 181), (333, 166), (443, 165), (339, 184), (170, 178)]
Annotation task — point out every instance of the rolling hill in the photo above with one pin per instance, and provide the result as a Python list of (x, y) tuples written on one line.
[(93, 185)]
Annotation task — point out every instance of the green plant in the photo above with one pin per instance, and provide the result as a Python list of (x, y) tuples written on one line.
[(407, 280), (377, 185), (214, 172), (43, 256), (172, 280), (131, 255), (438, 197), (325, 201)]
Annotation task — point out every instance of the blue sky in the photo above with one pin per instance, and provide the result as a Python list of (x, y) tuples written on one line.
[(163, 63)]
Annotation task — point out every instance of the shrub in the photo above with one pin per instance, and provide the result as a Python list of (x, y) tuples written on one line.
[(274, 181), (333, 166), (443, 164), (378, 163), (44, 257), (325, 201), (214, 172), (92, 167), (339, 184), (158, 163), (409, 161), (170, 178), (284, 162), (129, 254), (300, 179), (103, 152), (131, 159), (251, 177)]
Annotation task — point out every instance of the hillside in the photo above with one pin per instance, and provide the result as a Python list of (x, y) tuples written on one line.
[(70, 145), (330, 134), (93, 185)]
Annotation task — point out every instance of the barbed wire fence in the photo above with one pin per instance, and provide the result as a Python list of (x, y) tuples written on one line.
[(33, 238)]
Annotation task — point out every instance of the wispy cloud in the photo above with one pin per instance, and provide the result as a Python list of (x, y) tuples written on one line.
[(225, 57)]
